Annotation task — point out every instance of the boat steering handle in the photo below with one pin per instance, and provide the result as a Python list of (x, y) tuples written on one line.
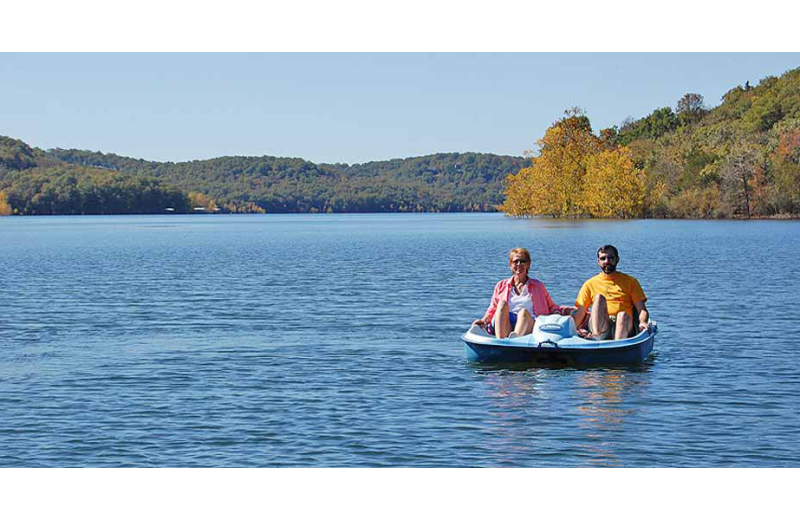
[(550, 342)]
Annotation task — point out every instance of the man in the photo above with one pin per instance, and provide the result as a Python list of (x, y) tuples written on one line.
[(617, 301)]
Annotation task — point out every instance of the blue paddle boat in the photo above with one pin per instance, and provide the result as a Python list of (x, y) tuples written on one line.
[(555, 341)]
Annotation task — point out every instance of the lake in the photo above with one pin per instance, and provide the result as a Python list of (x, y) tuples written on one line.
[(334, 341)]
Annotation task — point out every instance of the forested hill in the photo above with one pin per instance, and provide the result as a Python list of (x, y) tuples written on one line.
[(33, 183), (441, 182), (62, 181), (740, 159)]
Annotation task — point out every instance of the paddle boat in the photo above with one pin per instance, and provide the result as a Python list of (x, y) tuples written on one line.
[(555, 340)]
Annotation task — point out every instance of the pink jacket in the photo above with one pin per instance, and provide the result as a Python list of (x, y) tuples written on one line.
[(542, 302)]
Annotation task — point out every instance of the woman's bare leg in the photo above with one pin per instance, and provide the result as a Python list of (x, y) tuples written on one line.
[(502, 326), (524, 323)]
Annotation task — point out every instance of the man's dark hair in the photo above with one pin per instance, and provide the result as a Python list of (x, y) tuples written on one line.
[(608, 248)]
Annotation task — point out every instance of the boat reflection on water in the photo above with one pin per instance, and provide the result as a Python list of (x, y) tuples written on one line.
[(606, 401), (561, 417)]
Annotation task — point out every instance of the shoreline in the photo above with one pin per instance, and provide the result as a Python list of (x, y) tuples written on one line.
[(529, 217)]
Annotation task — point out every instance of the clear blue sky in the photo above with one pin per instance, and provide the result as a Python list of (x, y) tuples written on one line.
[(348, 108)]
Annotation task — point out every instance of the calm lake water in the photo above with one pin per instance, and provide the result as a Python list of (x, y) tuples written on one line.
[(316, 340)]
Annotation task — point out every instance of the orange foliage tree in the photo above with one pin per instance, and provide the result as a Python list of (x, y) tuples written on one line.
[(552, 184), (613, 187), (577, 174), (5, 207)]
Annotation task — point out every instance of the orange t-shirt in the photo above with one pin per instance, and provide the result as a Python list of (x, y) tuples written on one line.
[(620, 290)]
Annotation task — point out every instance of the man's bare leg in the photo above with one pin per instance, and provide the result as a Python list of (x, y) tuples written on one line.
[(598, 321), (624, 323)]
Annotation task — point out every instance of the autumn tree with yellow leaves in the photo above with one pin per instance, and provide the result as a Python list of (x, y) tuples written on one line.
[(576, 174), (552, 184), (201, 200), (613, 187), (5, 207)]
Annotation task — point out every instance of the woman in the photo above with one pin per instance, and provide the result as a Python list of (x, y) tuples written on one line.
[(517, 301)]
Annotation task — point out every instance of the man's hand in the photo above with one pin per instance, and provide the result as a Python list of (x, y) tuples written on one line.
[(644, 316)]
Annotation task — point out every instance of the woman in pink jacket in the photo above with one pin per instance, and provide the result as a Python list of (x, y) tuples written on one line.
[(517, 301)]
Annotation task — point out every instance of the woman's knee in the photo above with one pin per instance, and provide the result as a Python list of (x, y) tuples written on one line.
[(502, 305), (524, 314)]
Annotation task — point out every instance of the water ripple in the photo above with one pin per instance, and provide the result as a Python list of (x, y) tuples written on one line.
[(295, 342)]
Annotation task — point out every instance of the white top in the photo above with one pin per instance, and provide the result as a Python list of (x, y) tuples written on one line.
[(517, 302)]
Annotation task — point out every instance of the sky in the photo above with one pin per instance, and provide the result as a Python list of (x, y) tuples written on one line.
[(343, 107)]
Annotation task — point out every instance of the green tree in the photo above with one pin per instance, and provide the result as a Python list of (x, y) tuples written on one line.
[(690, 108)]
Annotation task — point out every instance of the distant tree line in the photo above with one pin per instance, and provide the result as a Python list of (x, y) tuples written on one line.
[(33, 184), (69, 182), (440, 182)]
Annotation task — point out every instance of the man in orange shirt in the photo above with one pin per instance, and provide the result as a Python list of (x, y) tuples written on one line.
[(617, 301)]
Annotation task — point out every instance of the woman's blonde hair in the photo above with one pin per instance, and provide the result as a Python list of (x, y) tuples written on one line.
[(520, 251)]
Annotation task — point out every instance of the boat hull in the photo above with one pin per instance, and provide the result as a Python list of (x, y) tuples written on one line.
[(482, 348)]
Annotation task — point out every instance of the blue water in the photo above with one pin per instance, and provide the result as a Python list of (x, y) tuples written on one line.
[(316, 340)]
